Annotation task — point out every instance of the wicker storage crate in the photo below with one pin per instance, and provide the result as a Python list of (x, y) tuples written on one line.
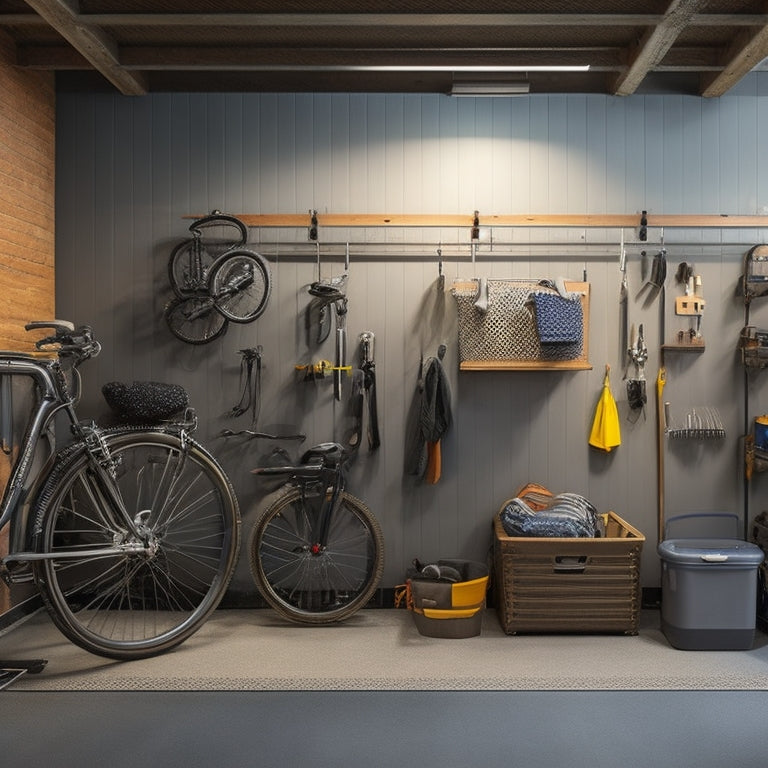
[(569, 584)]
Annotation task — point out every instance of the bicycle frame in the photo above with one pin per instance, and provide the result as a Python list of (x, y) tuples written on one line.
[(197, 277), (54, 397), (328, 478)]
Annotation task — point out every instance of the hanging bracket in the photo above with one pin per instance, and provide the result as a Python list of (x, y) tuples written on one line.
[(476, 226), (642, 233), (312, 234)]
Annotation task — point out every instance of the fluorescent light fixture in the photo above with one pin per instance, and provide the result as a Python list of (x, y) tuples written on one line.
[(461, 68), (491, 88)]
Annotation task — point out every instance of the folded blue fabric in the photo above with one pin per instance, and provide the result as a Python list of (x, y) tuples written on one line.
[(558, 320)]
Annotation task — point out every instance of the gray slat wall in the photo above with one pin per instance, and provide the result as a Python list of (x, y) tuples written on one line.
[(130, 169)]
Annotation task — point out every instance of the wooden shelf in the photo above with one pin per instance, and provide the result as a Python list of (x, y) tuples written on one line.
[(683, 347), (525, 365), (619, 221)]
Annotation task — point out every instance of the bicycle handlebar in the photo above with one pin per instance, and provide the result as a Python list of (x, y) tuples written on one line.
[(67, 340)]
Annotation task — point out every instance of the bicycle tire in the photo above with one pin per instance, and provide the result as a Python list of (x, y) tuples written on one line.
[(218, 219), (181, 275), (240, 283), (316, 587), (195, 320), (138, 604)]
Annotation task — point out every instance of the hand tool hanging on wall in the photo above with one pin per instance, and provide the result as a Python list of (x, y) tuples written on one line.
[(623, 306), (654, 282), (250, 398), (250, 384), (638, 354), (661, 380), (364, 389)]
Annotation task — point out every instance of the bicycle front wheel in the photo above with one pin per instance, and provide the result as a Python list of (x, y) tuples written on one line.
[(195, 320), (124, 597), (305, 580), (240, 284)]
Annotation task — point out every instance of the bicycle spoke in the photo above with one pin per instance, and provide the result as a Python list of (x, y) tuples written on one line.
[(309, 580), (240, 284), (178, 558)]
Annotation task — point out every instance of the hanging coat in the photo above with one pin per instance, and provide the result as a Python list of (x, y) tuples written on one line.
[(431, 419), (606, 431)]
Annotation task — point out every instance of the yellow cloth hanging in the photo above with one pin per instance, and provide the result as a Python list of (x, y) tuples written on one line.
[(606, 431)]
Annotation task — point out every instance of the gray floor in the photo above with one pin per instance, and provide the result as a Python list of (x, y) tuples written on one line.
[(324, 715), (377, 650), (614, 729)]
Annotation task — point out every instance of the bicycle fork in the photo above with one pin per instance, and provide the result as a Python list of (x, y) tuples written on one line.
[(330, 499)]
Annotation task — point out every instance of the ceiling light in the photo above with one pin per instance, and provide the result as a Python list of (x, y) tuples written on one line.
[(460, 68), (491, 88)]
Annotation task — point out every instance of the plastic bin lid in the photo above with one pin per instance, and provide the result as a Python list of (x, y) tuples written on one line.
[(722, 552)]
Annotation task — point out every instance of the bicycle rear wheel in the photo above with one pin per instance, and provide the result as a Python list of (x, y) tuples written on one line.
[(157, 592), (309, 583), (195, 320), (213, 235), (240, 284)]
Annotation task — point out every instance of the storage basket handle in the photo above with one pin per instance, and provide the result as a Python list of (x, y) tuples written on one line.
[(570, 563)]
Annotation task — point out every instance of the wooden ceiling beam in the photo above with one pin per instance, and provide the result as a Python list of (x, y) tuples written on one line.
[(98, 48), (654, 45), (747, 51)]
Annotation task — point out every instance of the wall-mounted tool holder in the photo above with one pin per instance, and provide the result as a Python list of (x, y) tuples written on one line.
[(753, 344), (691, 306), (754, 280), (699, 423)]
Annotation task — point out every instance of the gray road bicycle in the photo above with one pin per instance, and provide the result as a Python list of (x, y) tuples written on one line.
[(130, 534)]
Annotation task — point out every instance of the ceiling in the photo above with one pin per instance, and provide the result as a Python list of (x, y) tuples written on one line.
[(409, 46)]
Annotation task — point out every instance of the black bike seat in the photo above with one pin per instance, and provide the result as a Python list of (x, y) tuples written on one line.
[(324, 451)]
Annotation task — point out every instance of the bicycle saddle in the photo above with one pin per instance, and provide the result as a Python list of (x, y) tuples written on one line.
[(328, 453)]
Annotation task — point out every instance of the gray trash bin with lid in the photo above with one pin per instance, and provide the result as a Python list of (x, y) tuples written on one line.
[(709, 591)]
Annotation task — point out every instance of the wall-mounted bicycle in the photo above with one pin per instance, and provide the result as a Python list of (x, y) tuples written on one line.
[(129, 533), (215, 279)]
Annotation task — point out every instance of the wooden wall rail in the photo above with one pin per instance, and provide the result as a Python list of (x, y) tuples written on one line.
[(605, 221)]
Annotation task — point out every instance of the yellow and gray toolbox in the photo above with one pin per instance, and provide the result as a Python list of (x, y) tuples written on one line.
[(447, 597)]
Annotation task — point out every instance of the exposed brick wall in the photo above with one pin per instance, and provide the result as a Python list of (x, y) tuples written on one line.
[(27, 157)]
